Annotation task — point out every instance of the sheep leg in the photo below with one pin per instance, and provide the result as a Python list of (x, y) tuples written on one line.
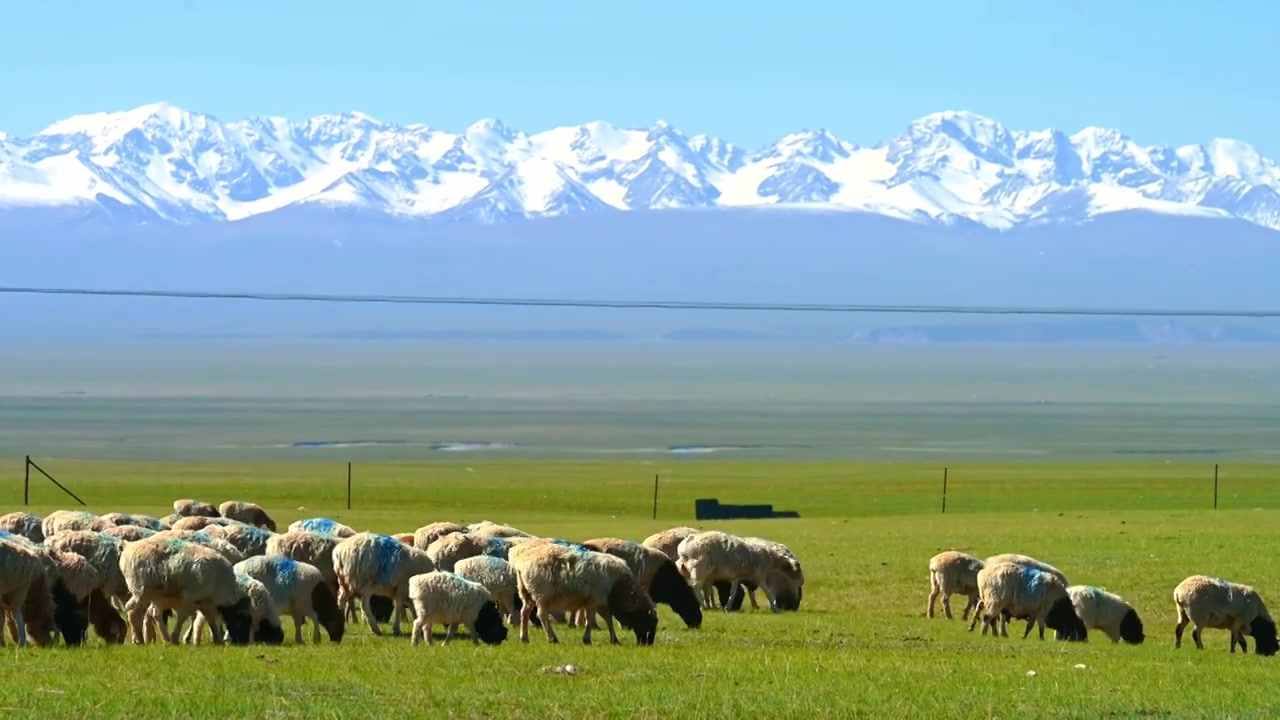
[(13, 628), (613, 633), (420, 628), (368, 615), (136, 612), (545, 618), (1183, 620), (1195, 635), (475, 634), (1239, 638), (402, 599), (179, 619), (977, 612), (971, 605), (448, 632)]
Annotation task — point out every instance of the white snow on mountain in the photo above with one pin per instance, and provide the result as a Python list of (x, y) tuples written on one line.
[(161, 163)]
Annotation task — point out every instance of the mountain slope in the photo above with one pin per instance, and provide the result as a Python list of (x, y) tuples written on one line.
[(160, 163)]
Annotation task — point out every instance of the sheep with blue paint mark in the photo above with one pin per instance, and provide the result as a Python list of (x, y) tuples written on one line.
[(60, 520), (299, 590), (248, 513), (209, 540), (264, 618), (175, 574), (1108, 612), (1025, 561), (77, 590), (324, 526), (712, 556), (952, 572), (129, 533), (498, 577), (657, 574), (1210, 602), (316, 549), (248, 539), (452, 600), (555, 576), (119, 519), (189, 507), (427, 534), (1009, 590), (449, 549), (370, 564), (34, 602), (24, 524)]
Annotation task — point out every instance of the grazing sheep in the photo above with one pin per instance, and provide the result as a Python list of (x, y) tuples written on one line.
[(448, 550), (316, 549), (498, 577), (713, 555), (324, 526), (667, 542), (657, 574), (129, 533), (488, 529), (85, 585), (25, 524), (175, 574), (119, 519), (60, 520), (1223, 605), (224, 548), (250, 540), (1027, 561), (1009, 590), (200, 522), (1108, 612), (427, 534), (103, 553), (264, 618), (299, 590), (247, 513), (451, 600), (406, 538), (551, 576), (371, 564), (953, 573), (186, 507), (36, 602)]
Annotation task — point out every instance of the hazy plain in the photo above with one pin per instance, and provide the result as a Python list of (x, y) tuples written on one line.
[(410, 400)]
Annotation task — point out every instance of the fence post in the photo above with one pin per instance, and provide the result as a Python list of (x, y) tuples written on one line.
[(655, 496), (26, 480), (348, 484), (1215, 486), (944, 490)]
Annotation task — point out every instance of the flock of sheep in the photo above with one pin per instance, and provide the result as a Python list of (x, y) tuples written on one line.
[(133, 577), (1011, 586)]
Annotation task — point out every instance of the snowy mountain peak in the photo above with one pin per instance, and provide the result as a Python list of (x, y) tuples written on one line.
[(159, 162)]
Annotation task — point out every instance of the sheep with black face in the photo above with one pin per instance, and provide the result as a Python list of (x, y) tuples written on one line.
[(712, 556), (369, 564), (175, 574), (1211, 602), (1011, 591), (1108, 612), (657, 575), (33, 597), (553, 576), (298, 589), (451, 600)]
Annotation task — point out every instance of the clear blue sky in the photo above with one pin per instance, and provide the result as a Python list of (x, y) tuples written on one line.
[(747, 71)]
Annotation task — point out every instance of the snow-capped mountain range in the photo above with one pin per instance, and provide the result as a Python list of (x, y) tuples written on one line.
[(162, 164)]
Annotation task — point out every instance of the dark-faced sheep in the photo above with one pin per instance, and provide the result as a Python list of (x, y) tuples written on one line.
[(300, 591), (316, 549), (36, 602), (1108, 612), (370, 564), (714, 556), (498, 577), (1210, 602), (657, 574), (953, 573), (264, 619), (247, 513), (1011, 591), (187, 577), (552, 577), (451, 600)]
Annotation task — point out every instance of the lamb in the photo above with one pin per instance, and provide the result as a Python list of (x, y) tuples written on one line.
[(427, 534), (188, 507), (119, 519), (35, 602), (247, 513), (24, 524), (1224, 605), (324, 526), (1108, 612), (551, 576), (316, 549), (713, 555), (129, 533), (248, 539), (1010, 590), (60, 520), (657, 574), (171, 573), (298, 589), (371, 564), (953, 573), (446, 598), (498, 577)]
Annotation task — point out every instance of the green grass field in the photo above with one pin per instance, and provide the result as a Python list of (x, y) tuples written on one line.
[(859, 646)]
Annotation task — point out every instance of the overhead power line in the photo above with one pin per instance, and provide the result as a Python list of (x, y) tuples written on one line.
[(646, 304)]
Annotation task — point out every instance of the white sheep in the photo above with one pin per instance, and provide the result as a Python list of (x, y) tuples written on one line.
[(1108, 612), (300, 591), (27, 596), (427, 534), (247, 513), (953, 573), (129, 533), (1025, 561), (264, 618), (248, 539), (25, 524), (713, 556), (187, 507), (656, 573), (209, 540), (371, 564), (324, 526), (1010, 590), (449, 549), (187, 577), (554, 576), (120, 519), (451, 600), (498, 577), (196, 523), (1224, 605), (103, 553), (60, 520), (668, 541), (489, 529)]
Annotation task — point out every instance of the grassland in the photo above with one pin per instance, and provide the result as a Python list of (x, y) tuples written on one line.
[(859, 646)]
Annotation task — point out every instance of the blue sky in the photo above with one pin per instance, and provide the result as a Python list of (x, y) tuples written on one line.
[(748, 71)]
